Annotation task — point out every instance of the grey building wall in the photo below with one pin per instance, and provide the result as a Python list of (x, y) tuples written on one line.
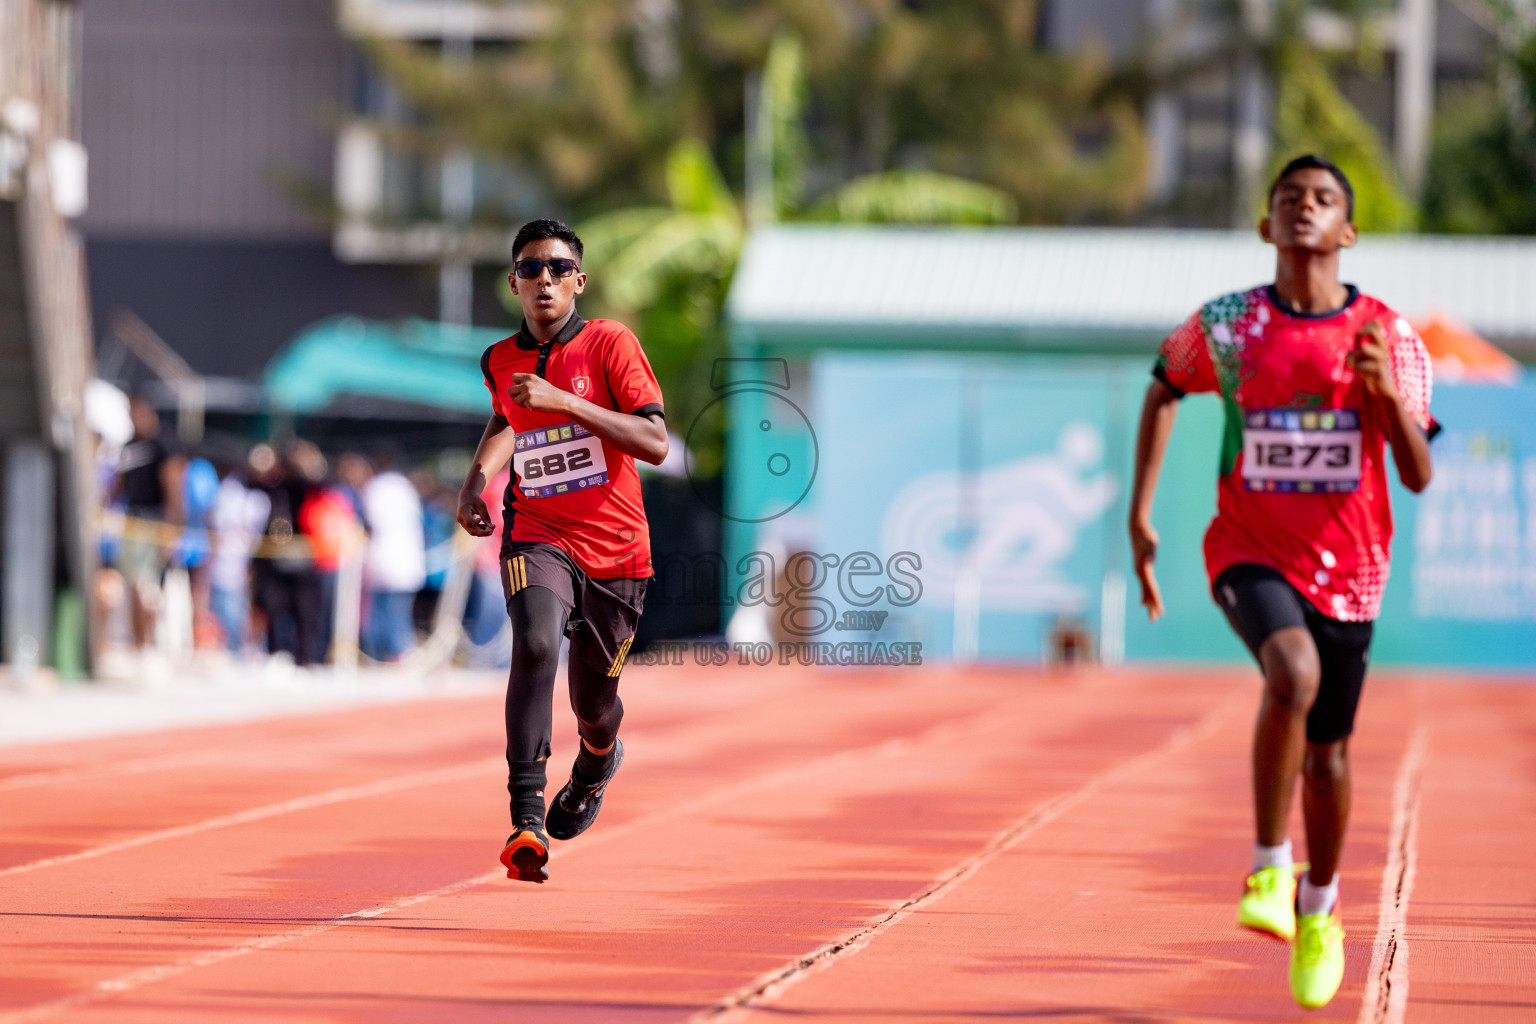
[(195, 110), (202, 120), (1120, 25)]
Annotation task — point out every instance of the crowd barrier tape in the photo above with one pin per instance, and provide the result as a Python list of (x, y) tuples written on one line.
[(438, 649), (292, 546)]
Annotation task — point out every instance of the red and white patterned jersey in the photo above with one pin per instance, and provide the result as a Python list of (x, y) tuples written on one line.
[(1303, 483)]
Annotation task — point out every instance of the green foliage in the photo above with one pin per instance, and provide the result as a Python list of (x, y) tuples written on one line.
[(1312, 116), (863, 87), (694, 182), (1482, 172), (916, 197), (784, 84)]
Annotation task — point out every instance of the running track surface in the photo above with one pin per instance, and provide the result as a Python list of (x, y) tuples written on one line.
[(841, 845)]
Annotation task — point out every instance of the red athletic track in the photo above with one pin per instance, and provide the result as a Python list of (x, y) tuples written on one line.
[(901, 844)]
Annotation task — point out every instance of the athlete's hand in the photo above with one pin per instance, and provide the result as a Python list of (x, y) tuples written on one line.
[(531, 391), (1373, 362), (474, 516), (1143, 554)]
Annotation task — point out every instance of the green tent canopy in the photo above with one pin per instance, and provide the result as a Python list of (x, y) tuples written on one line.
[(412, 361)]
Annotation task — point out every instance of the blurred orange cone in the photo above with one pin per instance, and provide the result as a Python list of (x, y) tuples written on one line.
[(1460, 354)]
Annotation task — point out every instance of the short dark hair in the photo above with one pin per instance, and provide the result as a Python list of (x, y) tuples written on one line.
[(535, 230), (1311, 161)]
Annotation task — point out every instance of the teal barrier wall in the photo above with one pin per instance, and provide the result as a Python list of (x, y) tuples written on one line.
[(1463, 588), (1007, 476)]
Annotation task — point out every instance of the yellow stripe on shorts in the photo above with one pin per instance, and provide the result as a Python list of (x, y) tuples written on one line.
[(618, 659), (517, 575)]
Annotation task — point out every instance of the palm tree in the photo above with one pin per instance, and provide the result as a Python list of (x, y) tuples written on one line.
[(1284, 57), (1484, 157), (593, 109), (670, 266)]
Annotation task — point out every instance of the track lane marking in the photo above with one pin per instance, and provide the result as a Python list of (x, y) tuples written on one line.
[(771, 985), (136, 766), (897, 745), (1386, 985), (302, 803)]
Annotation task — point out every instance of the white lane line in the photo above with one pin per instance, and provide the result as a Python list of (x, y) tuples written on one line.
[(302, 803), (940, 734), (160, 972), (944, 732), (770, 986), (1386, 986), (136, 766)]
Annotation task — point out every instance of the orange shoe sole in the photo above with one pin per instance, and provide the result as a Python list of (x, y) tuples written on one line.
[(526, 857)]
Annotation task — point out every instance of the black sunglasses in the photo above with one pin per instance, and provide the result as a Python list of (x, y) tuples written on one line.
[(530, 269)]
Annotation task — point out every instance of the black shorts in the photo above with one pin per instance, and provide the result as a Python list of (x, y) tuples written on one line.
[(601, 615), (1258, 601)]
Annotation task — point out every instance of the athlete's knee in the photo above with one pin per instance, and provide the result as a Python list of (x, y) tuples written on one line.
[(1292, 670), (595, 701), (1326, 762), (535, 646)]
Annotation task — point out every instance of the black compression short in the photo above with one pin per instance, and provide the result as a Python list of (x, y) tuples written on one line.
[(601, 613), (1258, 601)]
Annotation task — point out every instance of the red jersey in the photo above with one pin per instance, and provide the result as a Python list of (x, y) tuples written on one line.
[(568, 487), (1303, 487)]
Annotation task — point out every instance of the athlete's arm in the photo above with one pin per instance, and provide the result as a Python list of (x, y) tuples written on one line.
[(644, 437), (1410, 446), (1157, 415), (496, 446)]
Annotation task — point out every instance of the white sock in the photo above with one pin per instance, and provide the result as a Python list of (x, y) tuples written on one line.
[(1317, 899), (1272, 856)]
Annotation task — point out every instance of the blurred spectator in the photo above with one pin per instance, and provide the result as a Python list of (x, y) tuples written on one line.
[(485, 613), (239, 519), (199, 492), (329, 519), (439, 511), (352, 475), (395, 567), (148, 486), (287, 586)]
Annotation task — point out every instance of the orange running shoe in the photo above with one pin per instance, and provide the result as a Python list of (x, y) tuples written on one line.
[(526, 855)]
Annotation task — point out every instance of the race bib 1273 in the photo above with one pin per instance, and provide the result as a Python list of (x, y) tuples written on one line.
[(1309, 451), (558, 460)]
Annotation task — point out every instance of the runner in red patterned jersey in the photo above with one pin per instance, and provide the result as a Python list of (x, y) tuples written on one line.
[(1317, 381), (574, 403)]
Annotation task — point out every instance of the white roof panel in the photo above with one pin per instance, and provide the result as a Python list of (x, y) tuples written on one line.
[(1077, 278)]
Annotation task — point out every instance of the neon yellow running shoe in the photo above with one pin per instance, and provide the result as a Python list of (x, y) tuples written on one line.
[(1317, 959), (1269, 902)]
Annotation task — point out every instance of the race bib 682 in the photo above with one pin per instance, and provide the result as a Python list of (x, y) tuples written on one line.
[(558, 460), (1315, 450)]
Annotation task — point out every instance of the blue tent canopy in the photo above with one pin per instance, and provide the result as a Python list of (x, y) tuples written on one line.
[(413, 361)]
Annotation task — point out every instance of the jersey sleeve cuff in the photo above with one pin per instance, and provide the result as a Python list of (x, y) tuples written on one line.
[(1433, 430), (654, 407), (1162, 374)]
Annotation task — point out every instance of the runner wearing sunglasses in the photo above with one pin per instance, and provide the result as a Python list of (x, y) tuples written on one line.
[(574, 403), (1316, 380)]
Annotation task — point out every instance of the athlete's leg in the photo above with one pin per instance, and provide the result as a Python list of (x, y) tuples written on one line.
[(600, 641), (1343, 649), (1270, 615), (1289, 661), (538, 622), (1325, 795), (595, 699)]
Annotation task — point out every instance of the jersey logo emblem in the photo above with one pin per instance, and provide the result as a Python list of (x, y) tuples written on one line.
[(581, 385)]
